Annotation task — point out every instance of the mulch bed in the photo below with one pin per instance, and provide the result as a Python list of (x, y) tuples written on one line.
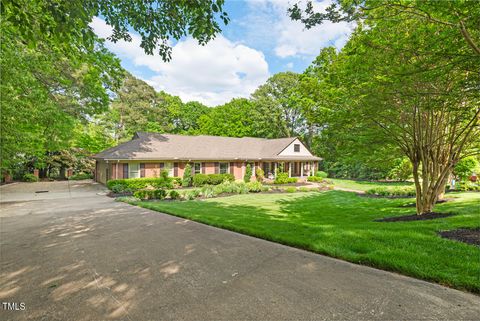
[(466, 235), (383, 196), (415, 217), (114, 195)]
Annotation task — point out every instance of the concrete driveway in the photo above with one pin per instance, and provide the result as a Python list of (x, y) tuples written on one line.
[(82, 256)]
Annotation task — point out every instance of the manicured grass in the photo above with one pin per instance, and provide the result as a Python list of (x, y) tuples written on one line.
[(365, 185), (341, 224)]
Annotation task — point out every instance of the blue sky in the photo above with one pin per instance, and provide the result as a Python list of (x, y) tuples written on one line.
[(259, 41)]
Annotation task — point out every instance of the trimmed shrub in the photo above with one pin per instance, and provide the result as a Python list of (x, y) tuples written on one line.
[(467, 186), (242, 188), (265, 188), (80, 176), (187, 176), (304, 189), (164, 174), (282, 178), (260, 174), (391, 191), (174, 195), (215, 179), (321, 174), (200, 179), (211, 179), (248, 174), (314, 179), (156, 194), (254, 187), (119, 189), (135, 184), (29, 178), (290, 190), (176, 181)]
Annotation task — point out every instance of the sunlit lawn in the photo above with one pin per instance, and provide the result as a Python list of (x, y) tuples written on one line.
[(365, 185), (341, 224)]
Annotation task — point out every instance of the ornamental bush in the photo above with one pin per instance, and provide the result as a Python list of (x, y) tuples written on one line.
[(156, 194), (282, 178), (314, 179), (30, 178), (290, 190), (207, 191), (321, 174), (260, 174), (248, 174), (254, 187), (211, 179), (135, 184), (200, 180), (174, 195), (392, 191), (187, 176), (191, 194)]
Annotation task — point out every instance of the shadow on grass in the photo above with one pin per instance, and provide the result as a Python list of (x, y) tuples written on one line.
[(341, 224)]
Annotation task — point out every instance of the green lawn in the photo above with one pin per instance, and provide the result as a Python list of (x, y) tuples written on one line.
[(365, 185), (340, 224)]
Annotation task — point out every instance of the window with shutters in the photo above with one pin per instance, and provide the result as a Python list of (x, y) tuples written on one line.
[(142, 170), (169, 168), (223, 168), (197, 168), (125, 170), (134, 170)]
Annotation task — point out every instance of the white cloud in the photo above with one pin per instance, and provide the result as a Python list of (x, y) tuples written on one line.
[(290, 38), (212, 74)]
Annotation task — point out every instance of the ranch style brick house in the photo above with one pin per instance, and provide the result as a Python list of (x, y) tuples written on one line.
[(147, 154)]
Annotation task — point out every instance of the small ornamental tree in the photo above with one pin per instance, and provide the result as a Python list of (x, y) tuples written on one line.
[(248, 174), (187, 176), (260, 174), (465, 167)]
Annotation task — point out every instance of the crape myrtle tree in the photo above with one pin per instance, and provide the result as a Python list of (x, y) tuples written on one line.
[(411, 74)]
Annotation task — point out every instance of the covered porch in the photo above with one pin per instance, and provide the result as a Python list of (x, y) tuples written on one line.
[(298, 169)]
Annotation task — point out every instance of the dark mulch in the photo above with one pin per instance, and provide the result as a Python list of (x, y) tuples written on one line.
[(415, 217), (438, 202), (112, 194), (383, 196), (466, 235)]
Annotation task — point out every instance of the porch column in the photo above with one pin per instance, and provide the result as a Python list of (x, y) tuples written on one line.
[(289, 169), (275, 169), (301, 169)]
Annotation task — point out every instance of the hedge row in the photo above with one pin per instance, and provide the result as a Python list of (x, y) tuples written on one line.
[(135, 184), (391, 191), (211, 179)]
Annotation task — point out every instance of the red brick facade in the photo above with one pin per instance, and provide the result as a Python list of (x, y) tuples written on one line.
[(116, 170)]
